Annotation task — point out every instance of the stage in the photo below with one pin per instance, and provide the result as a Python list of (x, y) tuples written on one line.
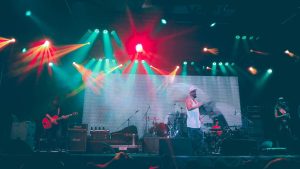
[(140, 161)]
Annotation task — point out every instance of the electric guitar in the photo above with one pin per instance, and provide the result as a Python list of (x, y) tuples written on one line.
[(47, 124), (283, 118)]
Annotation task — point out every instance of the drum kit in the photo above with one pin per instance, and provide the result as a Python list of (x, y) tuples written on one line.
[(175, 127)]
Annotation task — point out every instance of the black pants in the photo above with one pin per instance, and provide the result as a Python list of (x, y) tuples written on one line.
[(196, 136), (54, 138)]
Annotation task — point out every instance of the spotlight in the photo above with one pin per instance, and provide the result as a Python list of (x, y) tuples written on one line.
[(163, 21), (232, 64), (252, 70), (106, 60), (226, 64), (251, 37), (139, 47), (97, 30), (237, 37), (50, 64), (143, 61), (100, 60), (205, 49), (12, 40), (208, 68), (185, 62), (105, 31), (220, 63), (269, 71), (177, 67), (213, 24), (192, 63), (28, 13), (286, 51), (214, 63), (46, 43), (74, 63), (244, 37), (136, 61), (88, 43), (24, 50)]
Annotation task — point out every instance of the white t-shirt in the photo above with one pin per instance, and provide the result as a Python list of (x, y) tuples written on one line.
[(193, 117)]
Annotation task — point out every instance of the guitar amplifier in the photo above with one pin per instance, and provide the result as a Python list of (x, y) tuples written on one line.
[(77, 139), (78, 126)]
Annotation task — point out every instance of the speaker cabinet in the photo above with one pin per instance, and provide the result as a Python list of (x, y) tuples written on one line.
[(151, 145), (178, 146), (77, 139)]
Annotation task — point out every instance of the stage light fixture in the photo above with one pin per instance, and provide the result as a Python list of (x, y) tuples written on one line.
[(139, 47), (226, 64), (24, 50), (163, 21), (220, 63), (185, 62), (213, 24), (244, 37), (214, 63), (46, 43), (28, 13), (269, 71), (105, 31), (97, 30), (13, 40), (237, 37), (50, 64)]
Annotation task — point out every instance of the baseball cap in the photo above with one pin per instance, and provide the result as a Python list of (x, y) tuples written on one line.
[(192, 88)]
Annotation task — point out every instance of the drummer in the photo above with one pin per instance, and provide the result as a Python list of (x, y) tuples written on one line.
[(217, 128)]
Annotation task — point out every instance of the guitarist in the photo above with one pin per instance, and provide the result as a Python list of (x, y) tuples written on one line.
[(282, 117), (54, 134)]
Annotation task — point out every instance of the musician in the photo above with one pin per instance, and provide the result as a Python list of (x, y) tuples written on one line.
[(217, 128), (282, 117), (54, 134), (193, 119)]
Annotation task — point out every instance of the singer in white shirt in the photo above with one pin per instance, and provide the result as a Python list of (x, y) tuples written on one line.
[(193, 119)]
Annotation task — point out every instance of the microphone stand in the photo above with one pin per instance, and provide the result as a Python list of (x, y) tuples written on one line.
[(146, 114), (128, 120)]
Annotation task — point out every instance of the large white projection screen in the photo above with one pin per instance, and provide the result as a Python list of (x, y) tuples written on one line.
[(121, 97)]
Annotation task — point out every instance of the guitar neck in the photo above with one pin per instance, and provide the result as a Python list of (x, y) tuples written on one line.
[(67, 116)]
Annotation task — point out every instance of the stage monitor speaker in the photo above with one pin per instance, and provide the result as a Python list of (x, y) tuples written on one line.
[(174, 147), (77, 140), (239, 147)]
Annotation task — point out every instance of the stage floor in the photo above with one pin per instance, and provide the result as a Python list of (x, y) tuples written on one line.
[(140, 160)]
